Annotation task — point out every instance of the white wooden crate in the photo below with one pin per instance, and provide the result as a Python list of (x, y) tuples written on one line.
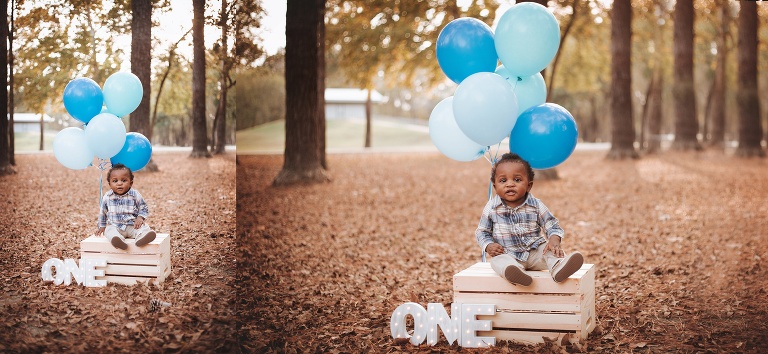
[(529, 314), (150, 263)]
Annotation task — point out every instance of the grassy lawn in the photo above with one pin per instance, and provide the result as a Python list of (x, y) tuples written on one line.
[(340, 134), (29, 141)]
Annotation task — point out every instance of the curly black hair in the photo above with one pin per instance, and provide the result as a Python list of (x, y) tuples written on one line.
[(119, 166), (512, 157)]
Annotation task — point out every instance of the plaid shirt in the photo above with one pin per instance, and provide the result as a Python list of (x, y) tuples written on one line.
[(518, 230), (121, 210)]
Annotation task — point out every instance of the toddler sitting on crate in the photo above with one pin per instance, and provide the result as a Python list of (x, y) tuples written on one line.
[(511, 223), (123, 211)]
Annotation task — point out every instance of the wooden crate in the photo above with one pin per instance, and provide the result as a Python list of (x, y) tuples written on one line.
[(543, 311), (151, 263)]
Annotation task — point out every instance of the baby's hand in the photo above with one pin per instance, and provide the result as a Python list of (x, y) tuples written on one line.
[(138, 222), (494, 249), (554, 246), (100, 231)]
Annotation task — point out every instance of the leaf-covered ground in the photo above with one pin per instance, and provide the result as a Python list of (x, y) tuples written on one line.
[(679, 241), (46, 210)]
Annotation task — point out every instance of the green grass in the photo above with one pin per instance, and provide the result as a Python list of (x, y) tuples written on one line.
[(340, 134), (30, 141)]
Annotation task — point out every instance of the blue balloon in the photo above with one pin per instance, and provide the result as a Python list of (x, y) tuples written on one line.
[(465, 46), (544, 135), (83, 99), (530, 91), (527, 37), (122, 93), (135, 153), (447, 136), (485, 108)]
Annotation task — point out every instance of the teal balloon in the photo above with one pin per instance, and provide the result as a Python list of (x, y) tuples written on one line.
[(83, 99), (447, 136), (122, 93), (527, 37), (465, 46), (105, 134), (544, 135), (530, 90), (485, 108), (71, 148)]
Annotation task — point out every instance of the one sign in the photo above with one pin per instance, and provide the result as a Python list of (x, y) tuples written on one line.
[(84, 274), (462, 326)]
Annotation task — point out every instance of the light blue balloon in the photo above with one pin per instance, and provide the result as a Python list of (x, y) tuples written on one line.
[(71, 148), (544, 135), (530, 90), (122, 93), (485, 108), (105, 134), (465, 46), (83, 99), (447, 136), (527, 37), (135, 153)]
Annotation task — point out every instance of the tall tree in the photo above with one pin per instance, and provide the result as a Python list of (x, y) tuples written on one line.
[(623, 130), (220, 119), (750, 132), (715, 114), (141, 66), (686, 124), (199, 127), (5, 163), (304, 94)]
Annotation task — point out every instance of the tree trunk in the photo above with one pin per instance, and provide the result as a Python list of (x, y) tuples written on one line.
[(368, 120), (5, 163), (141, 66), (304, 94), (11, 98), (716, 113), (655, 114), (686, 125), (750, 132), (623, 130), (199, 127), (221, 111)]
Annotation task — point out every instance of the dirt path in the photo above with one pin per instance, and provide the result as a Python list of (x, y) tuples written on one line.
[(679, 241), (47, 210)]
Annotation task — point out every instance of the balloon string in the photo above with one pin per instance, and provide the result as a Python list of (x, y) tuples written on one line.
[(102, 167)]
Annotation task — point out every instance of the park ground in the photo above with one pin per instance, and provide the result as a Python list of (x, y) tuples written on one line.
[(48, 209), (679, 241)]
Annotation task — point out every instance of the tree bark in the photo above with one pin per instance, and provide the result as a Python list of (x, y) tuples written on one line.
[(716, 112), (368, 119), (750, 132), (141, 66), (654, 113), (304, 91), (220, 122), (5, 163), (686, 124), (623, 130), (11, 98), (199, 127)]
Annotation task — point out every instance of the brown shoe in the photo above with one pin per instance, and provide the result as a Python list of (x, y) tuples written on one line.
[(567, 266), (515, 275), (117, 242), (147, 238)]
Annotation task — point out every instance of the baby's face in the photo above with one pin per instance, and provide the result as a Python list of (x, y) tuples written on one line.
[(120, 181), (511, 183)]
